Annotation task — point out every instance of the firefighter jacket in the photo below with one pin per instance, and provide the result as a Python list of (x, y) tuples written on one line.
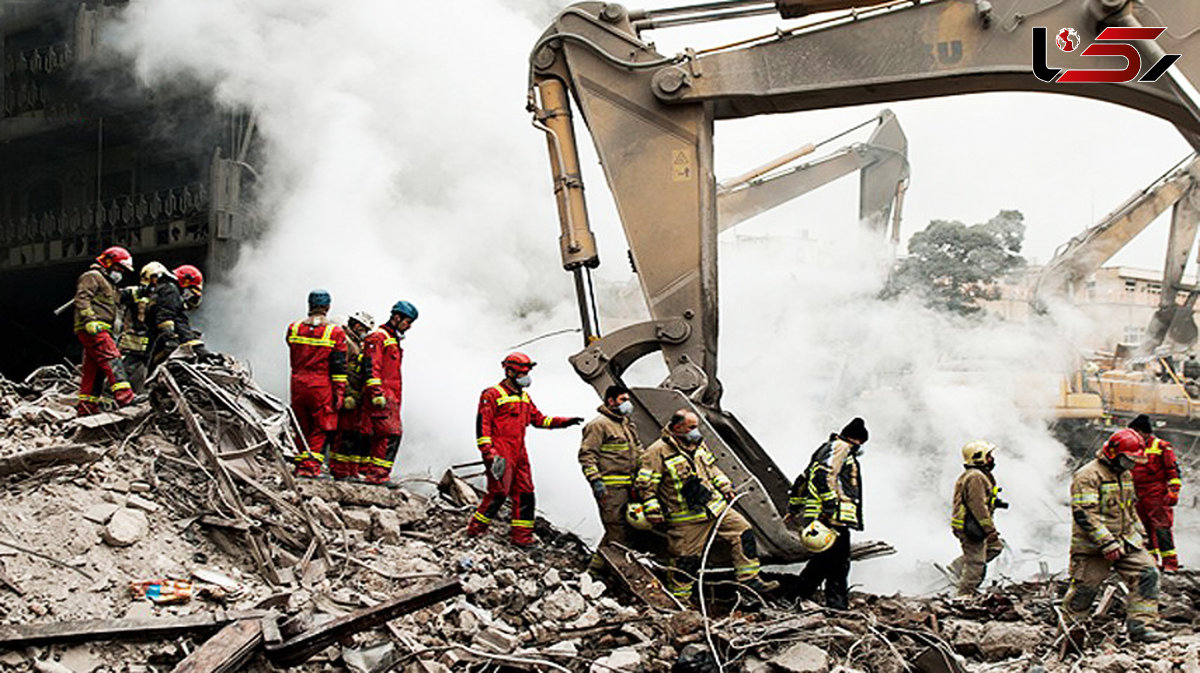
[(502, 417), (830, 488), (974, 504), (1159, 475), (382, 356), (681, 483), (95, 299), (168, 320), (135, 329), (318, 355), (610, 449), (1102, 510), (357, 365)]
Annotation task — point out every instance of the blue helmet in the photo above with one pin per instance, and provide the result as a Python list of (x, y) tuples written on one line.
[(319, 298), (405, 309)]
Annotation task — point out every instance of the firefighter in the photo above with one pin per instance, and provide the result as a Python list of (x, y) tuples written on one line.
[(191, 284), (350, 447), (681, 486), (1106, 535), (317, 349), (976, 498), (1157, 484), (609, 454), (134, 341), (96, 299), (383, 354), (829, 493), (505, 410), (170, 325)]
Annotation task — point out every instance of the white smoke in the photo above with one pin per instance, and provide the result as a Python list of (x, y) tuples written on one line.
[(399, 163)]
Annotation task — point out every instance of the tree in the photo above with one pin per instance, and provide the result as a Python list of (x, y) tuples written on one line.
[(952, 266)]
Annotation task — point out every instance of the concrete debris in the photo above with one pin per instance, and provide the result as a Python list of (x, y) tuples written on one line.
[(624, 659), (125, 527), (371, 659), (802, 658)]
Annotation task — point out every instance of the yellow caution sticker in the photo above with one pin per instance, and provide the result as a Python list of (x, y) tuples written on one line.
[(681, 165)]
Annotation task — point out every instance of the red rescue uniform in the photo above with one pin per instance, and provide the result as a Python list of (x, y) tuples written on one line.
[(504, 413), (382, 356), (318, 355), (1157, 484), (96, 305)]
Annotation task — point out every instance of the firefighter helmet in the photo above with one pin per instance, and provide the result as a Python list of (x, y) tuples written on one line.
[(116, 256), (817, 537), (635, 516), (977, 452), (151, 271), (189, 276), (405, 309), (518, 361), (1126, 441), (319, 299), (363, 318)]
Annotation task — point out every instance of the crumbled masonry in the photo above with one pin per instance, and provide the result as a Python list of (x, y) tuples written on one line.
[(171, 536)]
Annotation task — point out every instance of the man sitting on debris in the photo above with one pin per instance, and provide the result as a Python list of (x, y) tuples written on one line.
[(1106, 535), (609, 455), (975, 501), (317, 349), (1157, 484), (95, 303), (504, 411), (829, 491), (351, 449), (681, 484)]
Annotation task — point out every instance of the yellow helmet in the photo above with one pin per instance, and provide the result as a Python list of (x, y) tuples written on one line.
[(977, 451), (817, 537), (151, 271), (635, 516)]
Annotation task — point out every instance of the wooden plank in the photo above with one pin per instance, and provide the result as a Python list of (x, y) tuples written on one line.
[(49, 456), (297, 650), (360, 495), (637, 579), (225, 652), (17, 636)]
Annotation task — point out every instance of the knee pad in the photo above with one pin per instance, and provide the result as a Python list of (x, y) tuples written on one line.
[(749, 544), (1148, 583)]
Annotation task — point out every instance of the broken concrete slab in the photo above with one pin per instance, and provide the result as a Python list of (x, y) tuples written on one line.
[(101, 512), (126, 527), (624, 659), (563, 605), (802, 658)]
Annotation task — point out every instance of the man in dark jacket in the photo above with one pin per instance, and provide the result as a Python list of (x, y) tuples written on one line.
[(830, 491)]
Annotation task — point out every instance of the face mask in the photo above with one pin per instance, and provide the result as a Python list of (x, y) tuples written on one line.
[(525, 381), (860, 449), (625, 408), (115, 276), (693, 436), (1125, 461), (191, 299)]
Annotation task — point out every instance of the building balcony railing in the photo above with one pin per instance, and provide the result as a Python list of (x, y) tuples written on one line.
[(45, 60), (114, 219)]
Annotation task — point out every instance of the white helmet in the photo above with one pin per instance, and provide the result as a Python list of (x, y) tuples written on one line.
[(817, 537), (635, 516), (151, 271), (977, 451), (363, 318)]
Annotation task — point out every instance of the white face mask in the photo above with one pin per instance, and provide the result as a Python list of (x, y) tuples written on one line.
[(694, 436), (115, 276), (524, 381), (625, 408)]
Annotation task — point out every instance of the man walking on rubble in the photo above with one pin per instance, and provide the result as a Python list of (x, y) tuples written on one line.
[(1157, 484), (974, 503), (1106, 535), (351, 448), (504, 411), (95, 311), (317, 349), (829, 492), (382, 356), (681, 485), (609, 454)]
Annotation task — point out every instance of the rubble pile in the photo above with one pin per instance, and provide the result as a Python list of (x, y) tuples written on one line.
[(170, 535)]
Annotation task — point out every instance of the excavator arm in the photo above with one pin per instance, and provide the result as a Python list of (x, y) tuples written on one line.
[(651, 118)]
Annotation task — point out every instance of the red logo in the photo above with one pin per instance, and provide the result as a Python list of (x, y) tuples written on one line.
[(1113, 41)]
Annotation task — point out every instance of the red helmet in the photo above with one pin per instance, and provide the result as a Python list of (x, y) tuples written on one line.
[(1126, 441), (189, 276), (518, 361), (116, 256)]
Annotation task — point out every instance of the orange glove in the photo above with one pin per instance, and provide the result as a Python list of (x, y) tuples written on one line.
[(1172, 498)]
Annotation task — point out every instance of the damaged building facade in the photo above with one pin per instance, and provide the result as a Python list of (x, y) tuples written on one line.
[(89, 159)]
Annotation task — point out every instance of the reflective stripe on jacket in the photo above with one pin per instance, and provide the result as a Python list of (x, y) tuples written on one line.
[(665, 471), (501, 419), (317, 351), (1159, 474), (831, 486), (95, 299), (1102, 509), (610, 450), (974, 495)]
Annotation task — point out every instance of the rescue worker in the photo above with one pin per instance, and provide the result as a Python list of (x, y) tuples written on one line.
[(317, 349), (829, 491), (191, 283), (1106, 535), (609, 454), (1157, 485), (351, 449), (384, 386), (170, 325), (504, 411), (95, 310), (134, 341), (681, 485), (974, 503)]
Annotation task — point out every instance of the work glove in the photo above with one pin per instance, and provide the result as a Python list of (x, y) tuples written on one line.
[(1000, 504), (349, 403), (1172, 498), (498, 467), (695, 493), (94, 327), (599, 489), (654, 516), (1113, 553), (379, 401), (574, 420)]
